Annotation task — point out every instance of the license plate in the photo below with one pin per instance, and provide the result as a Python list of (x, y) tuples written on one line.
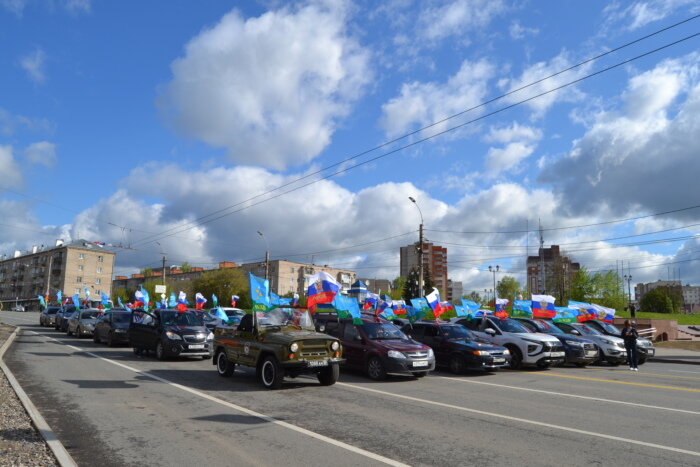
[(558, 354), (650, 353), (196, 346), (499, 360), (318, 362), (591, 353), (415, 364)]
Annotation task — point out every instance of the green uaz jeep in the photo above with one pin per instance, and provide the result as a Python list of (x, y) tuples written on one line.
[(279, 343)]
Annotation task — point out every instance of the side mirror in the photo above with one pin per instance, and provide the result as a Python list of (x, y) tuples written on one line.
[(358, 337), (575, 332), (490, 331)]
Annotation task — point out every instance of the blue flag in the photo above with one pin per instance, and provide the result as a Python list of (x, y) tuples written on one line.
[(59, 297), (172, 303), (42, 302), (259, 293), (276, 300), (119, 302), (146, 298), (214, 300), (76, 301), (219, 313), (347, 305)]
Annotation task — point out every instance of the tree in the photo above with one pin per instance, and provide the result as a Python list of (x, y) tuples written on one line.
[(428, 283), (474, 296), (119, 293), (147, 271), (582, 286), (410, 286), (656, 301), (185, 267), (508, 287), (224, 283), (397, 288)]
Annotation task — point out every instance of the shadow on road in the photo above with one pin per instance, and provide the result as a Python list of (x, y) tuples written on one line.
[(101, 384), (232, 418)]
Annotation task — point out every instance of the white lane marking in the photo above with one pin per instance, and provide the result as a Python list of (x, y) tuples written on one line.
[(564, 394), (298, 429), (681, 371), (523, 420)]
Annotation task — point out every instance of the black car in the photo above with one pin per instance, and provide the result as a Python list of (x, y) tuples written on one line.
[(48, 316), (457, 348), (579, 351), (170, 333), (645, 348), (113, 327), (62, 317)]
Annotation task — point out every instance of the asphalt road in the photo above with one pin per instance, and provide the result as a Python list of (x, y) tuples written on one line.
[(112, 408)]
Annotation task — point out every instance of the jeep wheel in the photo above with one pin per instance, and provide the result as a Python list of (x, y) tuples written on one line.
[(457, 365), (69, 332), (329, 375), (516, 358), (271, 374), (223, 366), (160, 351), (375, 369)]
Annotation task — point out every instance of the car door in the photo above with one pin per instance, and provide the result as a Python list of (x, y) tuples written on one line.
[(248, 348), (354, 349), (434, 339)]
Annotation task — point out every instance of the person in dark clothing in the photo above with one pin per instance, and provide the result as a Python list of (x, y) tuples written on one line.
[(629, 334)]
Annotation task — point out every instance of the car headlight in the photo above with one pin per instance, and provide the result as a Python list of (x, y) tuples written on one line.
[(173, 336), (120, 330), (506, 352), (481, 352), (431, 354), (396, 354), (608, 341), (294, 347), (210, 336), (573, 343), (335, 346)]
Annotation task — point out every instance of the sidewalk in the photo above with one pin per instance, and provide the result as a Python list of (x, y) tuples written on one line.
[(666, 355)]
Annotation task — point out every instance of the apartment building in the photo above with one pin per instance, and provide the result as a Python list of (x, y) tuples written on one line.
[(292, 277), (434, 258)]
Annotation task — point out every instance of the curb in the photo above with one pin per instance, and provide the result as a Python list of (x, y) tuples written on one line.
[(59, 451)]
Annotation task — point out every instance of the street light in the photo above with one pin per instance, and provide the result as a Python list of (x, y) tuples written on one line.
[(628, 278), (494, 270), (267, 257), (420, 248)]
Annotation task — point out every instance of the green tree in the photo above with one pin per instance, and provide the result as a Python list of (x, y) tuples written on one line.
[(428, 283), (508, 287), (147, 271), (607, 290), (224, 283), (474, 296), (397, 288), (582, 286), (410, 286), (185, 267), (119, 293), (656, 301)]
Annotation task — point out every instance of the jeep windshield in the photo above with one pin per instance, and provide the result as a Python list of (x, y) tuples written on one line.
[(286, 317), (379, 331), (174, 318)]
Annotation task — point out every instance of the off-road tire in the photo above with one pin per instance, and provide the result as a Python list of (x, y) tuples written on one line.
[(224, 367), (271, 373), (329, 375)]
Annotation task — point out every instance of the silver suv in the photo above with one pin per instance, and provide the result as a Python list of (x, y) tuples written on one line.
[(610, 348)]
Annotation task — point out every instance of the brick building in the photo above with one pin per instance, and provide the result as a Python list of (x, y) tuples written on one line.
[(557, 275), (434, 258)]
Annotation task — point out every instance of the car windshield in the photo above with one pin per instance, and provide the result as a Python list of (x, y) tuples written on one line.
[(377, 331), (510, 325), (232, 313), (173, 318), (455, 332), (586, 330), (609, 328), (89, 314), (546, 326), (120, 317), (281, 317), (51, 311)]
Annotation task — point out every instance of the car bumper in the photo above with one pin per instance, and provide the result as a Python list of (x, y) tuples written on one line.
[(120, 337), (646, 352), (486, 362), (86, 332), (576, 355), (615, 355), (184, 349), (307, 366), (407, 365)]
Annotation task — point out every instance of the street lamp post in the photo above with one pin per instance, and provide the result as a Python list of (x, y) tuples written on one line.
[(267, 257), (420, 248), (494, 270), (628, 278)]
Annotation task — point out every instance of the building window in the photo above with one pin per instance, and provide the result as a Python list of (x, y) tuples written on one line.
[(99, 270), (81, 255), (98, 292), (100, 259), (77, 290), (80, 267), (79, 279), (98, 281)]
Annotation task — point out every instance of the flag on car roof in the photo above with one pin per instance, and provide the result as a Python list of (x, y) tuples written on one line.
[(139, 299), (199, 301), (106, 302), (500, 308), (172, 301), (586, 310), (276, 300), (42, 302), (565, 315), (259, 293), (214, 300), (470, 306), (347, 307), (543, 306), (433, 299), (119, 302), (370, 301), (295, 300), (522, 309), (146, 298), (87, 292), (59, 296), (382, 307), (322, 289), (76, 301), (399, 307), (234, 300), (219, 313), (604, 313)]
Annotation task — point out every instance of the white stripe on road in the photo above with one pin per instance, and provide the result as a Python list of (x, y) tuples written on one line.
[(564, 394), (523, 420), (203, 395)]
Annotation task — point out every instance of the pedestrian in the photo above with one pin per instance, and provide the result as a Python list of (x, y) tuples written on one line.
[(630, 335)]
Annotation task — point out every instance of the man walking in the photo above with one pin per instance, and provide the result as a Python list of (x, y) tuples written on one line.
[(630, 335)]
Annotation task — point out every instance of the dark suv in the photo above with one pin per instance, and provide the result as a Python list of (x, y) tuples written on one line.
[(169, 333), (579, 351), (377, 346), (456, 348)]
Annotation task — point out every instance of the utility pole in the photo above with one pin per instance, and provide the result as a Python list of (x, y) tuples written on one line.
[(48, 277), (420, 248), (542, 273), (267, 257), (628, 278)]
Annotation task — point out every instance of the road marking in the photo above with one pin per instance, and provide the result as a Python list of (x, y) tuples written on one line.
[(577, 396), (585, 378), (644, 373), (523, 420), (681, 371), (244, 410)]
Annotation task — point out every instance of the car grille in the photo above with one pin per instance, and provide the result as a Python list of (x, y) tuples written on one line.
[(313, 354), (417, 354), (496, 353), (554, 347), (588, 347), (195, 338)]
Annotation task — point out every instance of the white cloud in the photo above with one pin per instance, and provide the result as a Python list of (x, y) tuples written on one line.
[(11, 123), (420, 104), (268, 89), (457, 17), (518, 31), (10, 174), (503, 159), (514, 132), (14, 6), (641, 13), (643, 156), (42, 153), (78, 6), (33, 65), (537, 72)]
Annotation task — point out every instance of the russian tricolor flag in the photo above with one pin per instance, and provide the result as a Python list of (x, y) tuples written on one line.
[(543, 306), (322, 289), (199, 301), (500, 308), (433, 299)]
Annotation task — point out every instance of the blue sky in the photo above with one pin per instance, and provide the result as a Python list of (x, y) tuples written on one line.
[(150, 115)]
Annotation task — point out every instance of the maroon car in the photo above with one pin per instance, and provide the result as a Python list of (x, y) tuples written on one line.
[(377, 347)]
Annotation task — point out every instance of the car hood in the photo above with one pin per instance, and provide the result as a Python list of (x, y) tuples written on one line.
[(475, 344), (538, 336), (405, 345), (187, 329), (571, 337), (287, 337)]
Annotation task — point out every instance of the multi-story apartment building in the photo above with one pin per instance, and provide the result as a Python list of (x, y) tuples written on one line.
[(434, 258), (378, 285), (454, 290), (292, 277), (68, 267), (690, 294), (557, 275)]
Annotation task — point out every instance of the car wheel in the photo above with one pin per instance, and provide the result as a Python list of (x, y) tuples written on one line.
[(95, 337), (516, 358), (329, 375), (110, 340), (614, 362), (457, 365), (420, 374), (160, 351), (69, 332), (137, 351), (601, 356), (543, 365), (641, 361), (375, 369), (271, 374), (78, 332), (223, 366)]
